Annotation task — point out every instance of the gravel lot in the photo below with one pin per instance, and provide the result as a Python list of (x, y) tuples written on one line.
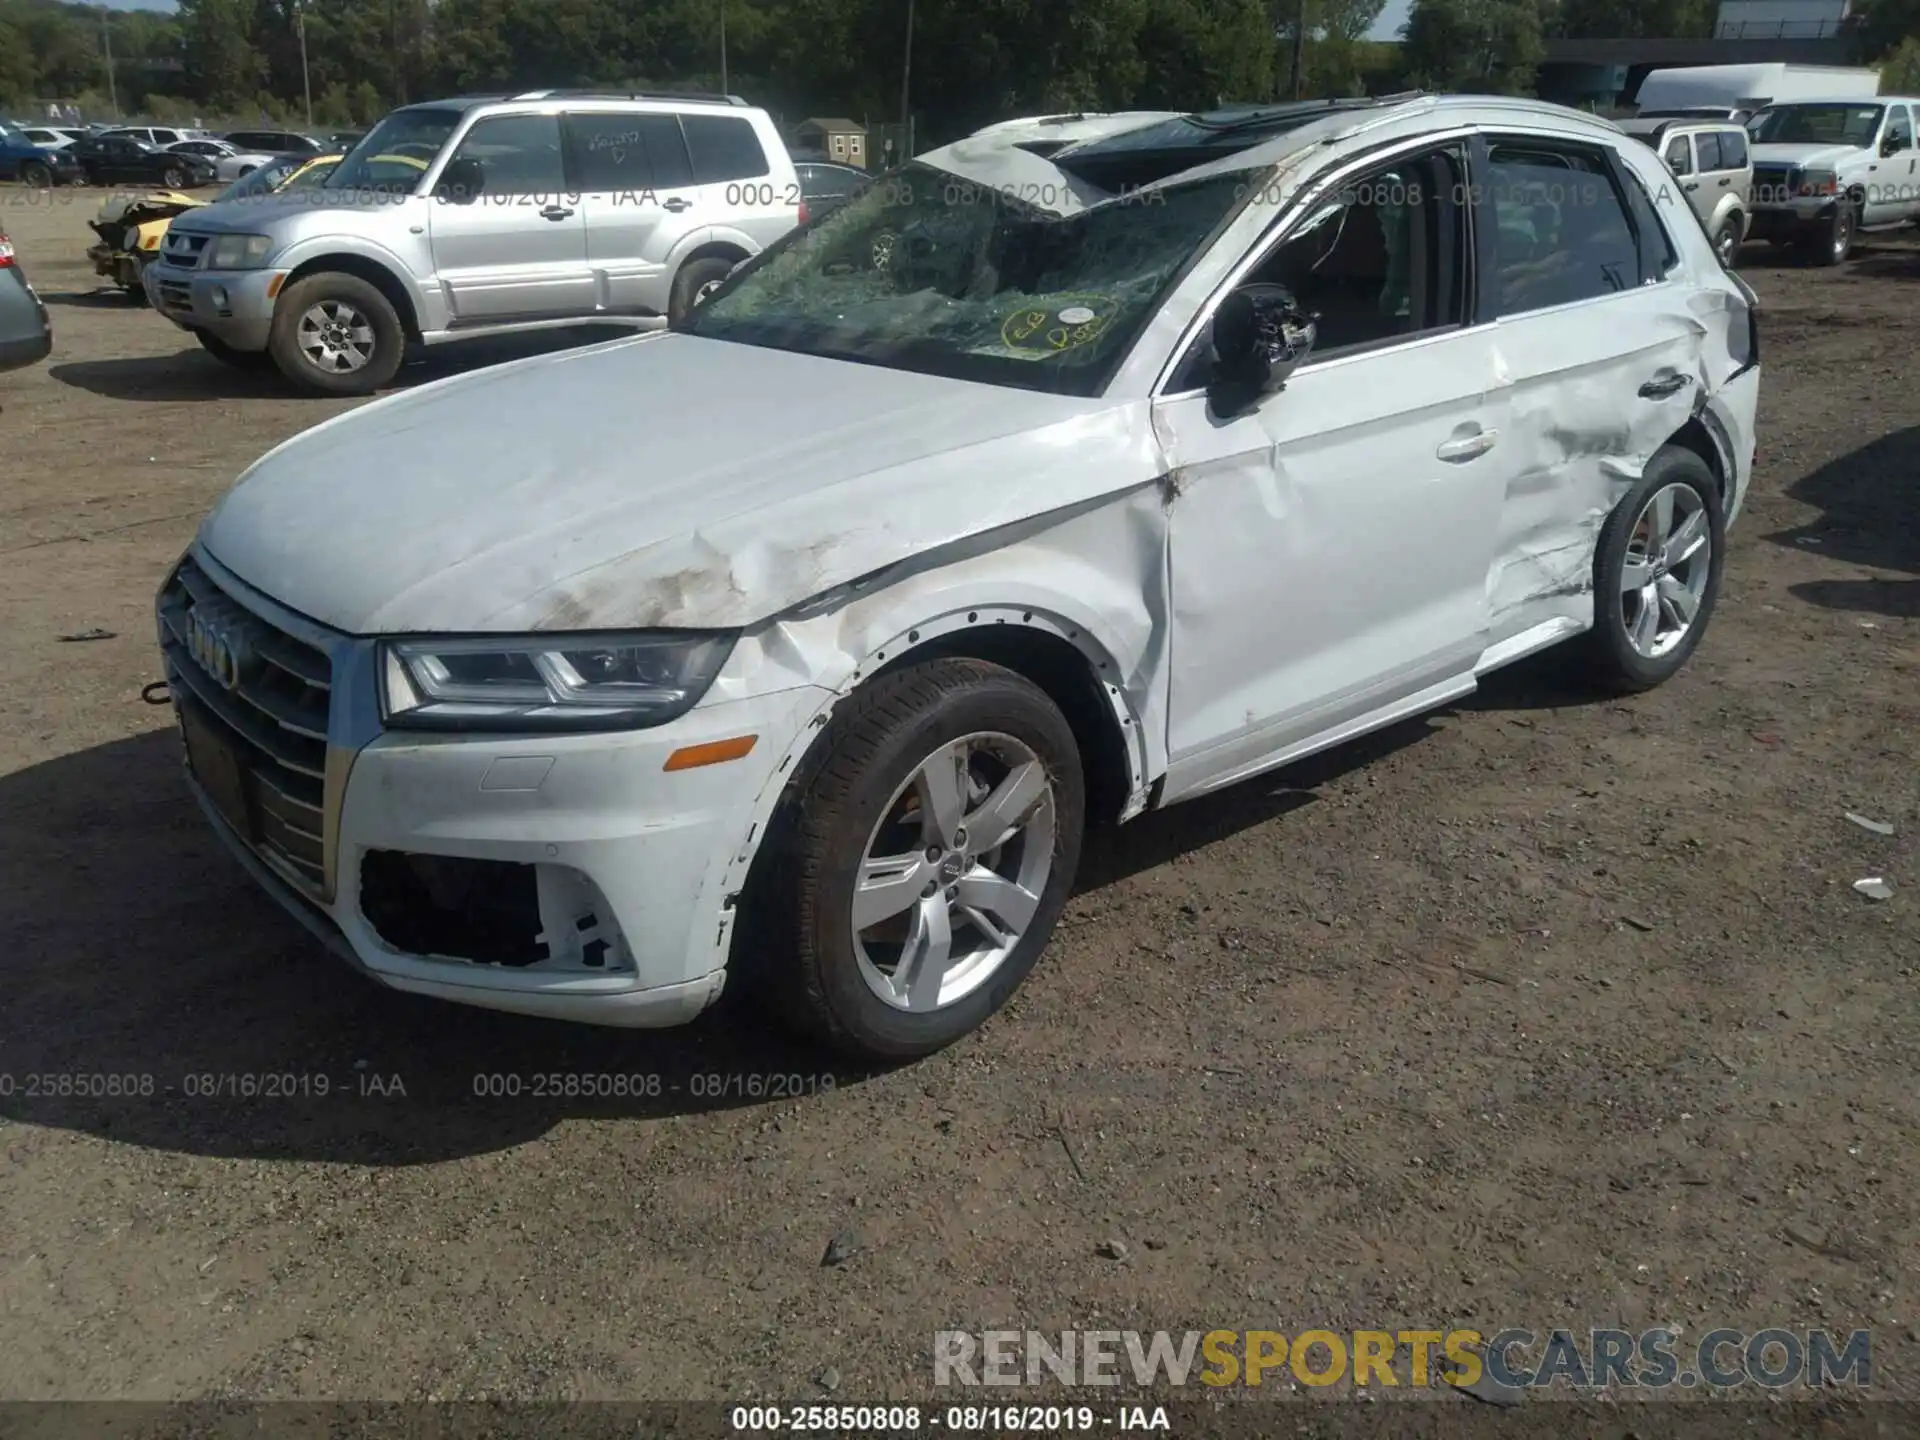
[(1539, 1011)]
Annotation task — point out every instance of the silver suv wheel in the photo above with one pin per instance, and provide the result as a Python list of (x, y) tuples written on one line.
[(335, 337)]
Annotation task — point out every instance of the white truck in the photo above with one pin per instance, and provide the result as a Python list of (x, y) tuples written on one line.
[(1750, 87)]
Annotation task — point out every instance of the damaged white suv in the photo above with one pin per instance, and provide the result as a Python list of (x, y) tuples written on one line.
[(1025, 491)]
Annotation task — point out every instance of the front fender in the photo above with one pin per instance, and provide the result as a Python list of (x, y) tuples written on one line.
[(320, 247)]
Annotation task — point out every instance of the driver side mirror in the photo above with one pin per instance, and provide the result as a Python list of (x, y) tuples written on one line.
[(1260, 336), (1890, 146), (461, 182)]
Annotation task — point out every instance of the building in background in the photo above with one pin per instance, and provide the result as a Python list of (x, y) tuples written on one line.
[(842, 141)]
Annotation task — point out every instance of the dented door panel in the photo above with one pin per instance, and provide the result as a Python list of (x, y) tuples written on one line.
[(1582, 433), (1329, 551)]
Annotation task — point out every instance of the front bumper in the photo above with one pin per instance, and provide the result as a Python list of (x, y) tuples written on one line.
[(626, 862), (235, 306)]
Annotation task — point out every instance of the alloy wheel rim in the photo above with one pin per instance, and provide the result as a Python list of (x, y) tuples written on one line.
[(952, 876), (707, 289), (1664, 580), (1843, 234), (1727, 245), (336, 337)]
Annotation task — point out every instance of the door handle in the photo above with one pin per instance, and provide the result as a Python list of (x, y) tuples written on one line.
[(676, 204), (556, 212), (1691, 185), (1664, 387), (1467, 447), (1725, 180)]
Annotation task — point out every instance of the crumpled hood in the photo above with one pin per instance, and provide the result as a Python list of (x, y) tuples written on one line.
[(252, 214), (666, 480), (1802, 157)]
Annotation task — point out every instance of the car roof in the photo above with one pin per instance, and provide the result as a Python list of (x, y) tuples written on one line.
[(1156, 151), (689, 101)]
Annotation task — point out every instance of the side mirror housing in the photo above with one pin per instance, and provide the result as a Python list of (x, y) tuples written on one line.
[(1890, 146), (1260, 336), (461, 182)]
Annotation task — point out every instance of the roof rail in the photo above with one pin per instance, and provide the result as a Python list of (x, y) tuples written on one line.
[(604, 93)]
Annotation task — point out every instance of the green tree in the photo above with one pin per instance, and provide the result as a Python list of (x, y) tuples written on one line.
[(224, 68), (1900, 68), (1636, 19), (1473, 46), (17, 70)]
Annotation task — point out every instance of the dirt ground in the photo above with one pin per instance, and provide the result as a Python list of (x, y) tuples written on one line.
[(1540, 1011)]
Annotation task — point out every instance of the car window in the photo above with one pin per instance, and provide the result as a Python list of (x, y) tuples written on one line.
[(518, 154), (43, 137), (1900, 128), (826, 182), (1382, 259), (1706, 149), (1680, 155), (1657, 255), (1733, 149), (723, 148), (1561, 231), (628, 154)]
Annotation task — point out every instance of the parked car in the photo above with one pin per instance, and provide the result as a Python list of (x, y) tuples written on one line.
[(1710, 159), (470, 217), (123, 160), (33, 164), (825, 186), (1826, 170), (26, 334), (229, 161), (793, 650), (131, 229), (51, 139), (158, 136), (346, 140), (275, 142)]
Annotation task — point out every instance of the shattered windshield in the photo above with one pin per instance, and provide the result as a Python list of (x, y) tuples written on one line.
[(927, 271)]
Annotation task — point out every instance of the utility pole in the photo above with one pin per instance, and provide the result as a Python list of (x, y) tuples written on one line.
[(106, 43), (306, 77), (723, 48), (906, 79), (1299, 49)]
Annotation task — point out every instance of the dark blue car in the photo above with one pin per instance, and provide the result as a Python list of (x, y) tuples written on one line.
[(35, 165)]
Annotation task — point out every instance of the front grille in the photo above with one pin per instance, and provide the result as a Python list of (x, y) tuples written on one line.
[(272, 717), (175, 296), (184, 248), (1774, 184)]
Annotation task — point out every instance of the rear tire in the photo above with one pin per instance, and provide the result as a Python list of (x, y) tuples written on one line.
[(863, 821), (1653, 588), (336, 334), (252, 361), (695, 280)]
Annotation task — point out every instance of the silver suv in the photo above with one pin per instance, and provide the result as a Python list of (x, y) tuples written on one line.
[(1710, 160), (477, 216)]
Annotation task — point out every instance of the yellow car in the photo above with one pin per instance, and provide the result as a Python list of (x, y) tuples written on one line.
[(131, 229)]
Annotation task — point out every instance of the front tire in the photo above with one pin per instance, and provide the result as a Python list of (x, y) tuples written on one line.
[(336, 334), (1656, 573), (174, 178), (1726, 240), (1833, 242), (36, 177), (918, 867)]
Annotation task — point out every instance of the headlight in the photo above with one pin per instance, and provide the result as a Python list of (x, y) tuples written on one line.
[(558, 682), (1819, 182), (239, 252)]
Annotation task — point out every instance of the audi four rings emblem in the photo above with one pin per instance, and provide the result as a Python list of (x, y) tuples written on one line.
[(218, 647)]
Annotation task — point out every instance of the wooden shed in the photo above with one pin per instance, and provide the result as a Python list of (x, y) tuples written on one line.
[(842, 141)]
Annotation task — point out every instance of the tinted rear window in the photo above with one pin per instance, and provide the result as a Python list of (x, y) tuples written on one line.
[(1733, 149), (1706, 145), (723, 149), (614, 153)]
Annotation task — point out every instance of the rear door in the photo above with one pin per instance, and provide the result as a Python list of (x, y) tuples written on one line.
[(636, 196), (1599, 350), (1714, 179), (518, 249)]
